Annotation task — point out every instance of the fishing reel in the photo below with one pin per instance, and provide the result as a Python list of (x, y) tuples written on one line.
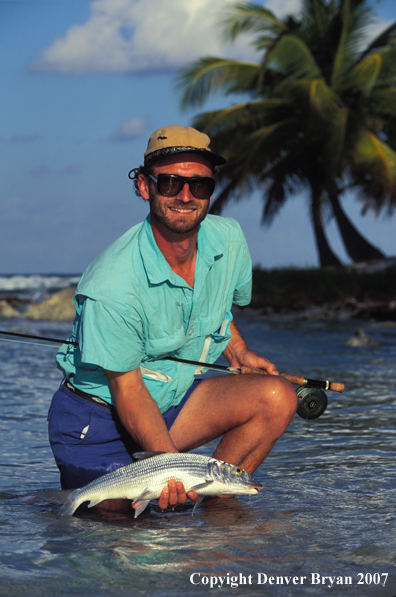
[(312, 402)]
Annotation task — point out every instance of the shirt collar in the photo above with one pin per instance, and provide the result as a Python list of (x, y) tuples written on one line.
[(158, 270)]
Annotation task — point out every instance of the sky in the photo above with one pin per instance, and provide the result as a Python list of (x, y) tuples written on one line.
[(84, 84)]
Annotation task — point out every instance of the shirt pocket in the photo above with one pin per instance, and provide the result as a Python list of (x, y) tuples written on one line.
[(163, 344), (154, 375)]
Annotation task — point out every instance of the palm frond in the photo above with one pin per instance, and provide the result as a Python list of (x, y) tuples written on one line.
[(234, 187), (292, 57), (383, 102), (312, 100), (251, 18), (320, 16), (365, 74), (376, 161), (221, 201), (279, 184), (387, 75), (354, 16), (208, 75), (246, 115), (338, 66), (260, 148), (322, 99), (334, 149)]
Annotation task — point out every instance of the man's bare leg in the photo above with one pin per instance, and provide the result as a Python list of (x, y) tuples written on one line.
[(250, 411)]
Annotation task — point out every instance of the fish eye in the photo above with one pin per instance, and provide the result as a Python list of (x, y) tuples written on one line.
[(238, 471)]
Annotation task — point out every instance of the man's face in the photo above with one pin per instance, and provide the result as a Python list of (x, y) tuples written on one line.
[(184, 212)]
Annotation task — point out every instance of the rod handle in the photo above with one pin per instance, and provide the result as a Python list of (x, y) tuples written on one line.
[(299, 380)]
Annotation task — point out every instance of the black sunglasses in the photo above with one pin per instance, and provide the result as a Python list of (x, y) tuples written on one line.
[(171, 185)]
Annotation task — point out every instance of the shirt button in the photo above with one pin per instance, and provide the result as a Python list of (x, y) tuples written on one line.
[(191, 332)]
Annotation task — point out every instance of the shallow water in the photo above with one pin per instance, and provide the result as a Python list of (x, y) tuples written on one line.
[(327, 512)]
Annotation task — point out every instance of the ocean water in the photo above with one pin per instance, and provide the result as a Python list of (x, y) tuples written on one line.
[(324, 524), (28, 285)]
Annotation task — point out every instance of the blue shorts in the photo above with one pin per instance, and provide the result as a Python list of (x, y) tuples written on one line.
[(88, 440)]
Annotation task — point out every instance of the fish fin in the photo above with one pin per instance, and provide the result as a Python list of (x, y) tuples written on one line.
[(95, 502), (201, 485), (200, 500), (144, 455), (144, 495), (70, 505), (142, 506)]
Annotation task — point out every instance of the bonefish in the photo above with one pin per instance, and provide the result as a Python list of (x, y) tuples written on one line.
[(144, 480)]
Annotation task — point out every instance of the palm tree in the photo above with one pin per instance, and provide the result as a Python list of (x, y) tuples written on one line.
[(319, 114)]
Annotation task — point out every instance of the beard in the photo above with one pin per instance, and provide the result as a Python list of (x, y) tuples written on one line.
[(178, 222)]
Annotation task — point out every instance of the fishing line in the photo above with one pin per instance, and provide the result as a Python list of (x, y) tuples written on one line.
[(57, 340), (23, 342)]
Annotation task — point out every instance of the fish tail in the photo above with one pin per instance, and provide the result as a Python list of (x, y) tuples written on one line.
[(70, 506)]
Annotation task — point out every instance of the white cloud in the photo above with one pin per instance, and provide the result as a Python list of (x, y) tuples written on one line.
[(132, 129), (140, 36), (134, 36)]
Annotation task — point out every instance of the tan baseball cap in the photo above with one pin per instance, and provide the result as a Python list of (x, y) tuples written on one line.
[(174, 139)]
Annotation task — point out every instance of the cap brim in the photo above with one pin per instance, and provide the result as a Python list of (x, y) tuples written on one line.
[(214, 158)]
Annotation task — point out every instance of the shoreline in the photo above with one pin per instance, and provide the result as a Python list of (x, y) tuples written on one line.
[(60, 307), (363, 312)]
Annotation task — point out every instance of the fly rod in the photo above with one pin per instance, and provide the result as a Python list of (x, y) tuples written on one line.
[(40, 338), (298, 380)]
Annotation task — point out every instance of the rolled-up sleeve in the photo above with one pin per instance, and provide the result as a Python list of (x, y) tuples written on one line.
[(243, 290)]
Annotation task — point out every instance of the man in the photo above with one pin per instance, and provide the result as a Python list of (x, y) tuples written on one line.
[(165, 289)]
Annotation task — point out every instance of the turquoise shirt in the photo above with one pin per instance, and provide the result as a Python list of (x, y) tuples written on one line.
[(132, 310)]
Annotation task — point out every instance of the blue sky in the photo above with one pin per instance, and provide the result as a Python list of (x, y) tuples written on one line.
[(84, 84)]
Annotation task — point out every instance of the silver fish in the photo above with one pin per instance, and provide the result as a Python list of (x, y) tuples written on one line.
[(144, 480)]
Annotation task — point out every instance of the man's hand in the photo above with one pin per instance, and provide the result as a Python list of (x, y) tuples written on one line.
[(255, 361), (238, 354), (172, 495)]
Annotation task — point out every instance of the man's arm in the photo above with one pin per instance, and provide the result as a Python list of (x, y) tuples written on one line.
[(238, 354), (138, 411), (142, 418)]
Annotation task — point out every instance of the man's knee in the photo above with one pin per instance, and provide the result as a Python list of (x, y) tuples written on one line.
[(279, 399)]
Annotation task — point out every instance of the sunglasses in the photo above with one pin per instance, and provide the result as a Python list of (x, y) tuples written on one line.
[(171, 185)]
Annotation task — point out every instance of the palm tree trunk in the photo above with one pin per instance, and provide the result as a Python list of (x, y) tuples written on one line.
[(357, 247), (326, 255)]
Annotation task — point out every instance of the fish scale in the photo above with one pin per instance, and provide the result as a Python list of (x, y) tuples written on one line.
[(144, 480)]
